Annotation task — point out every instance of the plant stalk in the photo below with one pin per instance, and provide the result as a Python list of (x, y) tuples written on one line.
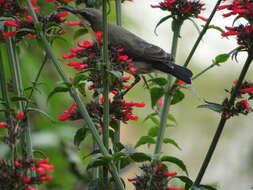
[(167, 97), (118, 12), (203, 71), (223, 121), (83, 111), (203, 31)]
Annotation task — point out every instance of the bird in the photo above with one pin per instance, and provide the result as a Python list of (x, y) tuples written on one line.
[(146, 56)]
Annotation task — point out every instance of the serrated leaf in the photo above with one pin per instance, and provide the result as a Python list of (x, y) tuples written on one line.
[(176, 161), (212, 106), (156, 94), (80, 136), (79, 33), (178, 96), (221, 58), (216, 28), (171, 141), (41, 112), (153, 131), (140, 157), (145, 140), (58, 89), (160, 81), (161, 21)]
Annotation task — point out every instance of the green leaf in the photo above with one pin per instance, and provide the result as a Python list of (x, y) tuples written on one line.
[(41, 112), (140, 157), (171, 118), (153, 131), (155, 120), (171, 141), (79, 33), (188, 182), (145, 140), (221, 58), (176, 161), (80, 135), (97, 163), (212, 106), (117, 74), (118, 155), (17, 99), (160, 81), (78, 78), (216, 28), (161, 21), (156, 94), (58, 89), (178, 96)]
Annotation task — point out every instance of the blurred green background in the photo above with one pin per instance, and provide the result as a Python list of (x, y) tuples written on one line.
[(232, 165)]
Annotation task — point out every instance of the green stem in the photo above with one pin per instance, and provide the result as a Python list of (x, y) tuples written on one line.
[(35, 82), (26, 143), (83, 111), (167, 97), (202, 34), (106, 107), (203, 71), (223, 121), (118, 12)]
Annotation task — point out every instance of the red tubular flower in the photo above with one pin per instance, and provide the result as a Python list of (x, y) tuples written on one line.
[(132, 70), (65, 116), (99, 36), (29, 18), (3, 124), (180, 82), (62, 14), (45, 178), (20, 115), (170, 174), (246, 105), (50, 0), (174, 188), (1, 1), (247, 90), (74, 23), (8, 34), (85, 44), (202, 18), (17, 163), (26, 180), (11, 23), (159, 167), (122, 58), (131, 179), (68, 56), (31, 188), (34, 2)]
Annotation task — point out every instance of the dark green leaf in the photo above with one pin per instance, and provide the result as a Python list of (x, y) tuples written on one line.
[(118, 155), (78, 78), (156, 94), (188, 182), (58, 89), (41, 112), (221, 58), (171, 141), (92, 153), (160, 81), (145, 140), (97, 163), (212, 106), (140, 157), (79, 33), (153, 131), (216, 28), (80, 136), (176, 161), (96, 184), (17, 99), (178, 96), (161, 21)]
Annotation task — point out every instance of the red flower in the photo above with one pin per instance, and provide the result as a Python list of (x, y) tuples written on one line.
[(20, 115), (50, 0), (122, 58), (31, 35), (99, 36), (132, 70), (73, 23), (247, 90), (68, 112), (174, 188), (45, 178), (85, 44), (3, 124), (29, 18), (62, 14), (202, 18), (68, 56), (11, 23), (131, 179), (246, 105), (159, 167), (17, 163), (26, 179), (1, 1), (33, 2), (7, 34), (31, 188), (180, 82), (170, 174)]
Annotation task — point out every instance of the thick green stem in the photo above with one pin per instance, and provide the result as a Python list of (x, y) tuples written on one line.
[(118, 12), (167, 97), (83, 111), (106, 107), (223, 121), (26, 143), (205, 28)]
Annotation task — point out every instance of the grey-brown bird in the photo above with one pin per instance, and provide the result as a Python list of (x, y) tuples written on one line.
[(147, 57)]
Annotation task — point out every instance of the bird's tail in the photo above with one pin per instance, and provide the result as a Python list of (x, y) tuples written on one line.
[(178, 71)]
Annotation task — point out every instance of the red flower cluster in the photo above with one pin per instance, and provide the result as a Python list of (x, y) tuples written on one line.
[(242, 8), (19, 179), (127, 110), (23, 22), (159, 175), (182, 9), (68, 113)]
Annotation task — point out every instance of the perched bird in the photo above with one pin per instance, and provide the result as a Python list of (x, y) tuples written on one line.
[(147, 57)]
